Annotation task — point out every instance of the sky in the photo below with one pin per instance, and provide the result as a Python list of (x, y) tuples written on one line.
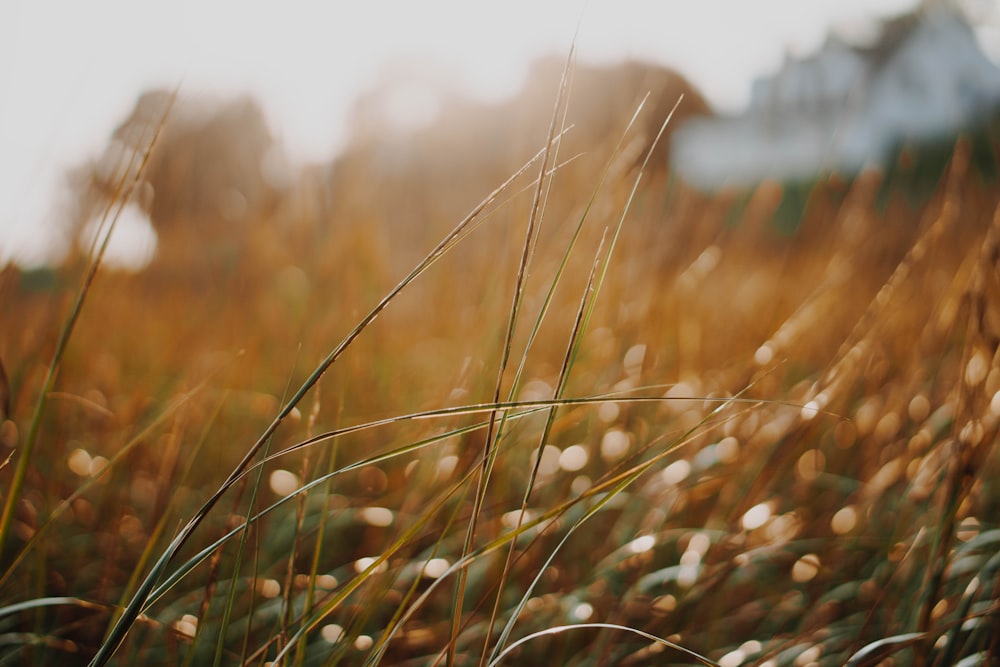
[(70, 71)]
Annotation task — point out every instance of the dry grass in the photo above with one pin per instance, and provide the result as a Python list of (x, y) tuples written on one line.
[(763, 448)]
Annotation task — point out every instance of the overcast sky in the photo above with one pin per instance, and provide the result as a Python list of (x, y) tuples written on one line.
[(70, 71)]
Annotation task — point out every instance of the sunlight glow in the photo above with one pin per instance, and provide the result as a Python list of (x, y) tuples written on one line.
[(642, 544), (665, 604), (809, 656), (764, 354), (690, 558), (446, 466), (435, 568), (79, 462), (783, 528), (573, 458), (187, 626), (810, 464), (845, 520), (283, 482), (379, 517), (699, 543), (549, 465), (976, 369), (680, 392), (133, 241), (581, 484), (512, 518), (728, 450), (362, 564), (733, 658), (756, 516), (676, 472), (614, 444), (810, 410), (537, 390), (583, 611), (269, 588), (332, 633), (919, 408), (634, 358), (608, 412), (687, 575), (805, 568), (968, 528), (995, 404)]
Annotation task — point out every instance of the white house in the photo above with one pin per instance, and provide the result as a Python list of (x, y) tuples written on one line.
[(848, 106)]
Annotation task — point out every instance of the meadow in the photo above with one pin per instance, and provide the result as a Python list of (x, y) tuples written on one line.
[(593, 418)]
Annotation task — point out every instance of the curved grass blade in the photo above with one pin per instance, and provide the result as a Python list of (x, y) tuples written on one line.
[(122, 195), (492, 432), (879, 650), (355, 583), (117, 633), (67, 503), (605, 626)]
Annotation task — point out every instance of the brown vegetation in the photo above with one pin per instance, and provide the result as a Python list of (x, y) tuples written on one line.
[(793, 434)]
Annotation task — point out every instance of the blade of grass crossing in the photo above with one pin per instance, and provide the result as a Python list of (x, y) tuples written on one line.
[(121, 197), (489, 452), (611, 488), (574, 337), (119, 630), (63, 506), (546, 430), (354, 584), (605, 626)]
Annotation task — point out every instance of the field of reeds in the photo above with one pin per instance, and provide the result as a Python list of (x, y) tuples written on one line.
[(596, 418)]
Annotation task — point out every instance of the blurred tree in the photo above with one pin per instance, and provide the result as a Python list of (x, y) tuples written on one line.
[(205, 183), (437, 170)]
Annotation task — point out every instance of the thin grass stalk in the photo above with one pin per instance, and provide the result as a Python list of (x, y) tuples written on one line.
[(970, 447), (310, 592), (117, 634), (161, 524), (492, 433), (562, 100), (614, 486), (583, 319), (296, 542), (549, 421), (934, 228), (381, 645), (350, 587), (578, 326), (605, 626), (530, 409), (66, 504), (240, 548), (628, 204), (200, 557), (601, 489), (517, 409), (244, 535), (122, 195)]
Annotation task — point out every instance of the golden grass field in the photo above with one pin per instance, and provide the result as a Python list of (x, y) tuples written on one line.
[(634, 419)]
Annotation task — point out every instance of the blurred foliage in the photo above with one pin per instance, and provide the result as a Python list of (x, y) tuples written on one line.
[(810, 471)]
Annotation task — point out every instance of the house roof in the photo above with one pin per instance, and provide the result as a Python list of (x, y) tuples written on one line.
[(923, 77)]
